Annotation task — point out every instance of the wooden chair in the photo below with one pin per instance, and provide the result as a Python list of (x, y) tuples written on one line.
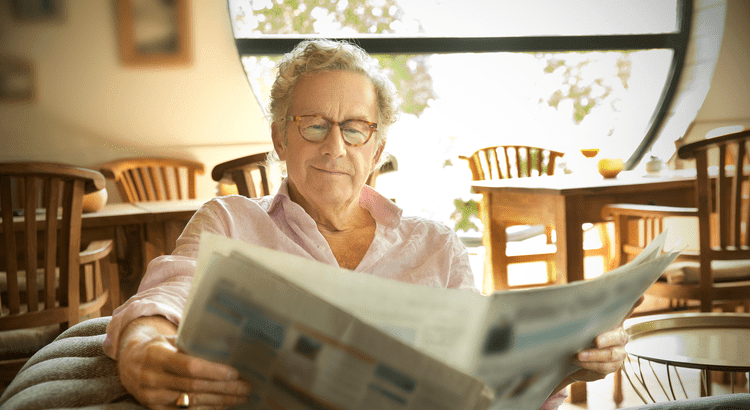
[(717, 274), (517, 161), (153, 179), (46, 282), (720, 269), (511, 161), (390, 165), (249, 174)]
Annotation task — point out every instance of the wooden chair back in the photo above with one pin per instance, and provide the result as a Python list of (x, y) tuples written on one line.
[(50, 245), (723, 199), (511, 161), (389, 165), (248, 173), (153, 179), (722, 186)]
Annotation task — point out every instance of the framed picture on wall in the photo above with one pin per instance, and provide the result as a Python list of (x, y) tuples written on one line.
[(16, 81), (154, 32), (36, 10)]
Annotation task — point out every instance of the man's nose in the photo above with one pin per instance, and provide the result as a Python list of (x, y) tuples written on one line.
[(334, 144)]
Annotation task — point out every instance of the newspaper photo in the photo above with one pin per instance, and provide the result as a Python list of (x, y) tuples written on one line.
[(313, 336)]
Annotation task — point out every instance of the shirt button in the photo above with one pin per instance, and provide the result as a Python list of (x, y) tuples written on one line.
[(321, 247)]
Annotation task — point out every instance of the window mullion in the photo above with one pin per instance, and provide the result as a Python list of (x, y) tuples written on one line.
[(418, 45)]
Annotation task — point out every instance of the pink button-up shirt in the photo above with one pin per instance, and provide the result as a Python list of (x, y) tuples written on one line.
[(409, 249)]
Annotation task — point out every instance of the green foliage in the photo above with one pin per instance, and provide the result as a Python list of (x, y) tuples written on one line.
[(464, 213), (410, 73), (580, 90)]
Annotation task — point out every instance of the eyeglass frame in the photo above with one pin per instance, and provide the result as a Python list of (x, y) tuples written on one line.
[(297, 118)]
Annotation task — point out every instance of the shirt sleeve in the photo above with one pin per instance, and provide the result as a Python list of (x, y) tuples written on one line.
[(166, 284)]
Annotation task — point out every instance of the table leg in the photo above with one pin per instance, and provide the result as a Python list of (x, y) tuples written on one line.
[(120, 260), (572, 238), (569, 227), (111, 280), (172, 231), (154, 243), (561, 244), (617, 396), (495, 241), (161, 239), (578, 392)]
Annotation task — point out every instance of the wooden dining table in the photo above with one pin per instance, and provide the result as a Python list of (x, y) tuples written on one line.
[(142, 231), (566, 202)]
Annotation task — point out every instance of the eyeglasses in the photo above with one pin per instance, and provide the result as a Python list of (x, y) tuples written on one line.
[(315, 128)]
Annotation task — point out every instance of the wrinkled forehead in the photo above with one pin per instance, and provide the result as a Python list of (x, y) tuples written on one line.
[(337, 95)]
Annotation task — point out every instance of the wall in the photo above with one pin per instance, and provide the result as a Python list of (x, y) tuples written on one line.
[(90, 109), (728, 100)]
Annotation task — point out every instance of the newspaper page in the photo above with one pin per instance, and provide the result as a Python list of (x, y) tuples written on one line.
[(536, 332), (302, 352), (517, 342)]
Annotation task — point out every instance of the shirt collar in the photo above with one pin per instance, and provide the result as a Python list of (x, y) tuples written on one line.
[(384, 211)]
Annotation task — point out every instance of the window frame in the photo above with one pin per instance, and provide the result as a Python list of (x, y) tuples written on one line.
[(676, 41)]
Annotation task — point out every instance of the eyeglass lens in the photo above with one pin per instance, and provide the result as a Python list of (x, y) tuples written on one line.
[(355, 132)]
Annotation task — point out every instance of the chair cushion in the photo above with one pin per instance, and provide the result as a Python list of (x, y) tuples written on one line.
[(522, 232), (71, 372), (515, 233), (688, 272)]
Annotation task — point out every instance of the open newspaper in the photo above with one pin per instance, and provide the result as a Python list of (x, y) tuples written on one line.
[(312, 336)]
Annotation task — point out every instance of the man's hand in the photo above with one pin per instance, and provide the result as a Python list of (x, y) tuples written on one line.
[(607, 354), (155, 371), (605, 358)]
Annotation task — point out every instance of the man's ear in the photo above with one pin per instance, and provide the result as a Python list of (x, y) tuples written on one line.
[(279, 141)]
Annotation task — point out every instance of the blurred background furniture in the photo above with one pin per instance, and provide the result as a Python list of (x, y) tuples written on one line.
[(567, 202), (144, 229), (389, 165), (47, 283), (663, 347), (515, 161), (249, 176), (511, 161), (246, 176), (717, 273), (719, 270), (150, 180), (153, 179)]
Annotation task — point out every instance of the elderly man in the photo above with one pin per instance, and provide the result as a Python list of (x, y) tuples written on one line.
[(331, 108)]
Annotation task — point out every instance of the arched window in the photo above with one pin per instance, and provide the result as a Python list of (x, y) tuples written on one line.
[(567, 75)]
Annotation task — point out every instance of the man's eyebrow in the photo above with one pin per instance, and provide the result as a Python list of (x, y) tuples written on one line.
[(361, 117)]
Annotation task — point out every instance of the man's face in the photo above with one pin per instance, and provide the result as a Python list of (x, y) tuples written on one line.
[(329, 173)]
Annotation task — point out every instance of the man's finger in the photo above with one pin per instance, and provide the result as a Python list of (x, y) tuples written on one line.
[(613, 354), (614, 337)]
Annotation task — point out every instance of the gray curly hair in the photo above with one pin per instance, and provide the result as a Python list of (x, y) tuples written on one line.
[(320, 55)]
